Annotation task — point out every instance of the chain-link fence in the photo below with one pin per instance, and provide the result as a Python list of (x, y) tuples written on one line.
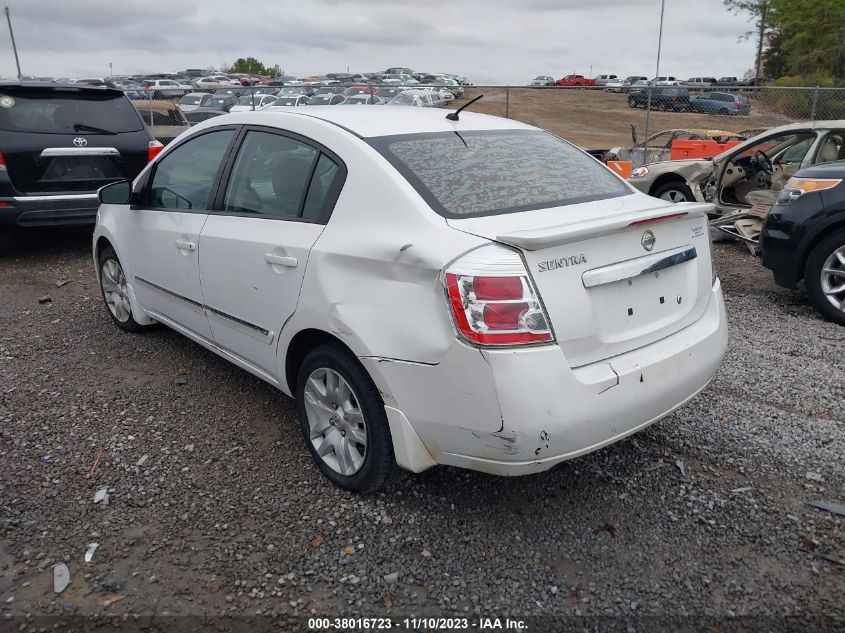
[(595, 118)]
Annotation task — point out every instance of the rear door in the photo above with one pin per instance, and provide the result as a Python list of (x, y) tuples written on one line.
[(164, 230), (254, 249), (69, 139)]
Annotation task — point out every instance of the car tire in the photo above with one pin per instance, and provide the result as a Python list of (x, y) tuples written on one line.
[(632, 103), (115, 293), (358, 414), (724, 112), (827, 255), (675, 191)]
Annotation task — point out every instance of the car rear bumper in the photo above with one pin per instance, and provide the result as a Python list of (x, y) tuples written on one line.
[(47, 210), (522, 411)]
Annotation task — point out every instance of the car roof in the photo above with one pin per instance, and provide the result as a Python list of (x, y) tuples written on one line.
[(371, 122)]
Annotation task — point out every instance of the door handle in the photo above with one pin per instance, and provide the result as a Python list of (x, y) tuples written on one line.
[(185, 245), (281, 260)]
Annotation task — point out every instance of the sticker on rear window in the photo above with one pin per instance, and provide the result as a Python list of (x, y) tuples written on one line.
[(6, 102)]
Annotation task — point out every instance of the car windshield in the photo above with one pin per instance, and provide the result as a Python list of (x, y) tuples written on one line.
[(317, 100), (66, 111), (286, 101), (190, 100), (497, 171)]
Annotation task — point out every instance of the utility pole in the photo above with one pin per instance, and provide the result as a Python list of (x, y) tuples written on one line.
[(111, 72), (656, 75), (14, 48), (764, 9)]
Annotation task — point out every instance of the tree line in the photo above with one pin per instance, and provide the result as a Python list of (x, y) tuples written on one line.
[(799, 42)]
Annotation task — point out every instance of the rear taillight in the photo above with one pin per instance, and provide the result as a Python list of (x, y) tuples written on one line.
[(154, 150), (2, 161), (493, 300), (660, 218)]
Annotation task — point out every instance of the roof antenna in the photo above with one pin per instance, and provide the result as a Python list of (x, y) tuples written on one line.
[(453, 116)]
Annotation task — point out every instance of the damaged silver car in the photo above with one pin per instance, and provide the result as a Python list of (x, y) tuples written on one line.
[(743, 182), (658, 147)]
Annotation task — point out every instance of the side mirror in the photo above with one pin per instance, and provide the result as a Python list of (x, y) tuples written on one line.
[(116, 193)]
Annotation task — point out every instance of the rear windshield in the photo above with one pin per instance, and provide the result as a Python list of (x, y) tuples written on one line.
[(497, 171), (66, 111)]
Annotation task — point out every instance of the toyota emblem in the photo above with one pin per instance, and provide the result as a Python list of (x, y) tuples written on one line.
[(648, 240), (80, 142)]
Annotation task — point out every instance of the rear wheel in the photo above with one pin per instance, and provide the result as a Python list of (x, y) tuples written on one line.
[(113, 285), (675, 191), (824, 276), (342, 416)]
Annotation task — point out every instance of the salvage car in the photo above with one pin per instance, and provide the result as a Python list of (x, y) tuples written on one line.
[(164, 118), (603, 80), (575, 81), (194, 101), (60, 143), (507, 304), (249, 102), (325, 99), (744, 182), (663, 98), (542, 80), (724, 103), (624, 85), (658, 147), (804, 236)]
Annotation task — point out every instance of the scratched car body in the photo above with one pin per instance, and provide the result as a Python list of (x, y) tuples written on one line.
[(503, 304)]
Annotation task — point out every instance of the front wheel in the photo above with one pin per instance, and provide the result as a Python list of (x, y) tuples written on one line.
[(343, 418), (824, 277), (115, 290), (632, 103), (674, 192)]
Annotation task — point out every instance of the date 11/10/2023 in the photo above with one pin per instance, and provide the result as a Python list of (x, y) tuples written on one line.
[(418, 624)]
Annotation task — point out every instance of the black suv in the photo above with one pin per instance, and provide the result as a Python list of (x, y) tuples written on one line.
[(662, 98), (804, 235), (58, 145)]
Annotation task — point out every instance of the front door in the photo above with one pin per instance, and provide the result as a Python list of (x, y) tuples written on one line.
[(253, 252), (164, 233)]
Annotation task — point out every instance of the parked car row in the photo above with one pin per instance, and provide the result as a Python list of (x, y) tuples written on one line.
[(678, 99), (269, 97), (614, 83)]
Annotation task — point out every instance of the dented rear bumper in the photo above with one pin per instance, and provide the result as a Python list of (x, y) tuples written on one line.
[(521, 411)]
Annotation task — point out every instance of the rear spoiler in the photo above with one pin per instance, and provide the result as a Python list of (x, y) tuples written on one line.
[(538, 239)]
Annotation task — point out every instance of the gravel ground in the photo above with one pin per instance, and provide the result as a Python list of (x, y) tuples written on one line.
[(214, 506)]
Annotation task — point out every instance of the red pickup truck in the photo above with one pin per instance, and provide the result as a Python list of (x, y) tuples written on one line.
[(575, 80)]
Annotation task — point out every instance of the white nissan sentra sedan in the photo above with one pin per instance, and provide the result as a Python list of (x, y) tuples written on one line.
[(477, 293)]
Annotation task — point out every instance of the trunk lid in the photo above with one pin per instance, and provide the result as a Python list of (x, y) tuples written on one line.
[(613, 275), (61, 139)]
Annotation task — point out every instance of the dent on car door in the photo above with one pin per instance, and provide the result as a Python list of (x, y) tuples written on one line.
[(163, 232), (254, 249)]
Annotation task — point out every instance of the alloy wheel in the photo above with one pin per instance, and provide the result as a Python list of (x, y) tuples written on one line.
[(115, 291), (833, 278), (673, 195), (338, 430)]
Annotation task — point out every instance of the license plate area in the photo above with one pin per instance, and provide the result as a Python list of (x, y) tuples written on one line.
[(636, 306)]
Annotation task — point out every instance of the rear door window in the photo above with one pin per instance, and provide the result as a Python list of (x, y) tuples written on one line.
[(497, 171), (66, 111)]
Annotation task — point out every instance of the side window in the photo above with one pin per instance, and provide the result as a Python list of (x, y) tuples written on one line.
[(270, 176), (321, 182), (832, 148), (186, 177)]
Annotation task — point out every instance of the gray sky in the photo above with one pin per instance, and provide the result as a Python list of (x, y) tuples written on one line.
[(489, 41)]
